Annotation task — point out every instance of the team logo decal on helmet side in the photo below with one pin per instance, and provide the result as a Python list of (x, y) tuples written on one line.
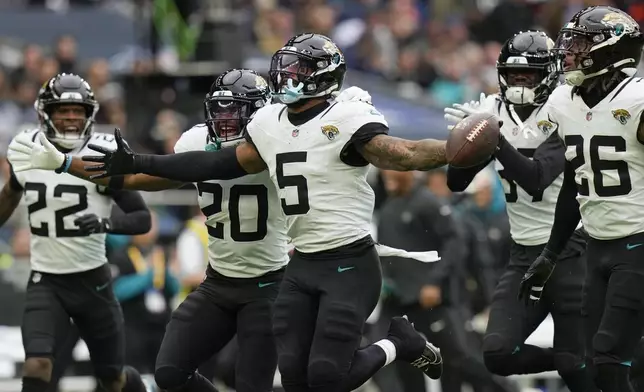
[(330, 131), (260, 83), (621, 115), (620, 23)]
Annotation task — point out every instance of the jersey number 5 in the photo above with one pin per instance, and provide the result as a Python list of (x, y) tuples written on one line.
[(298, 181), (236, 192), (598, 165), (41, 203)]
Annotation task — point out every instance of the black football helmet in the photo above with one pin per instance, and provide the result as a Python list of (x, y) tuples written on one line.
[(233, 99), (308, 66), (598, 40), (527, 68), (66, 89)]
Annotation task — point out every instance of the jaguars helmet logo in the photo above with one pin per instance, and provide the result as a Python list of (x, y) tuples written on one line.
[(330, 131), (621, 115), (545, 126), (260, 83)]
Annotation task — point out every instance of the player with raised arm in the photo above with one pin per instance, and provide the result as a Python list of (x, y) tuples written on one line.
[(69, 219), (530, 162), (247, 247), (599, 117), (317, 153)]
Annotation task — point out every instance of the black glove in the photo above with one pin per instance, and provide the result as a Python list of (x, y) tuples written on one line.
[(536, 277), (119, 162), (92, 224)]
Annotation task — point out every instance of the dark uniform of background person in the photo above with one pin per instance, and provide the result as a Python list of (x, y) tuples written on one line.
[(145, 286), (414, 220)]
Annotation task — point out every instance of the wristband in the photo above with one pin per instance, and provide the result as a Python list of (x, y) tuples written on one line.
[(67, 162)]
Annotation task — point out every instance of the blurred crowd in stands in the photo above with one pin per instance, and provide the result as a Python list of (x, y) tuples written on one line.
[(436, 52)]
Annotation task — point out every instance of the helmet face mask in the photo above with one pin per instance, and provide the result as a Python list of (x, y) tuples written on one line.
[(309, 66), (229, 106), (527, 69), (67, 110)]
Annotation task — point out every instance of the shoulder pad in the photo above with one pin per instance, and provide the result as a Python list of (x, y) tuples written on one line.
[(103, 139), (194, 139)]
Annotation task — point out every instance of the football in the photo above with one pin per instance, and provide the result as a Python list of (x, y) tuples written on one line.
[(473, 140)]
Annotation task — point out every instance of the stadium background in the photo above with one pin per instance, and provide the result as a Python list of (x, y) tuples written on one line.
[(151, 63)]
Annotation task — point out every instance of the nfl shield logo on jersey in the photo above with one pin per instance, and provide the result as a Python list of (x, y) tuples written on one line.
[(621, 115), (36, 278), (295, 132), (330, 131)]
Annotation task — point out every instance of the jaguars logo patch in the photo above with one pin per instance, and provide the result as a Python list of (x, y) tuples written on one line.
[(545, 126), (330, 131), (621, 115)]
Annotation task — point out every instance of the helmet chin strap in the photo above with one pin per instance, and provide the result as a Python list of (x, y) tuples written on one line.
[(577, 77)]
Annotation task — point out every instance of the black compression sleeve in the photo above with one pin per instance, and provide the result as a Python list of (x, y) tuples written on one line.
[(460, 178), (192, 166), (567, 215), (536, 174), (132, 217)]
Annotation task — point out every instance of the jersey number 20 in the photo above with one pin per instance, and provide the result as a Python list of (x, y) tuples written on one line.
[(598, 165), (236, 192)]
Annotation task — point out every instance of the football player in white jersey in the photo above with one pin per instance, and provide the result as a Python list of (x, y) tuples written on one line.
[(69, 219), (530, 162), (317, 153), (599, 117)]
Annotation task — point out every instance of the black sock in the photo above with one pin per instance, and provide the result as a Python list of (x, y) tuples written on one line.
[(613, 377), (133, 382), (366, 362), (32, 384)]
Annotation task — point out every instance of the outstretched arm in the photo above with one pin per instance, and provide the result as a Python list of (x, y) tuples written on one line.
[(141, 182), (195, 166), (388, 152)]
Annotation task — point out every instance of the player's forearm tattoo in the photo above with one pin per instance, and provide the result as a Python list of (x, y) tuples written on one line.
[(387, 152), (9, 200)]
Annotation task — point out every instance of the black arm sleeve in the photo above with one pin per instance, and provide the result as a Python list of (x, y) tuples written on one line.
[(13, 180), (350, 153), (192, 166), (567, 213), (536, 174), (132, 217), (458, 179)]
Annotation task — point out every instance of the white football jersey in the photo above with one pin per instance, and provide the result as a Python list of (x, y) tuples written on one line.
[(602, 146), (531, 217), (53, 202), (327, 202), (246, 227)]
